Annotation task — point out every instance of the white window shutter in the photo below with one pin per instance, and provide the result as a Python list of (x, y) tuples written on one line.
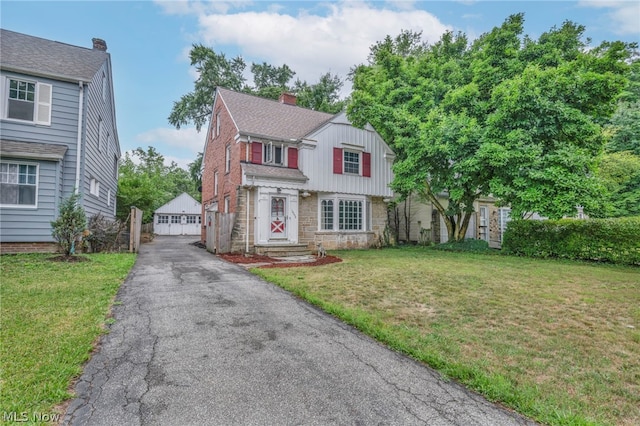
[(43, 109)]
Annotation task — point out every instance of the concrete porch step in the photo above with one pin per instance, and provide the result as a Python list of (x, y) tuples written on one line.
[(283, 250)]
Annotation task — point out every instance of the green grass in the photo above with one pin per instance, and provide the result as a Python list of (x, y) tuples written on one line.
[(51, 315), (557, 341)]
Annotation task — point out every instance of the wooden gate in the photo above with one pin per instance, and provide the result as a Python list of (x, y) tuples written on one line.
[(225, 227)]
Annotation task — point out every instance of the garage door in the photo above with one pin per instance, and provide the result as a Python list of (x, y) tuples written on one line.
[(177, 224)]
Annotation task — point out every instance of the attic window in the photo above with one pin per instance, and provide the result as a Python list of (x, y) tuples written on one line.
[(273, 154)]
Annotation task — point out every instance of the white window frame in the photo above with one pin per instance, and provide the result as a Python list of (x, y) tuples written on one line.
[(108, 198), (269, 150), (218, 124), (41, 102), (94, 187), (215, 183), (100, 135), (36, 185), (338, 222), (346, 152), (192, 219), (176, 219), (163, 219), (226, 204), (227, 159), (104, 87)]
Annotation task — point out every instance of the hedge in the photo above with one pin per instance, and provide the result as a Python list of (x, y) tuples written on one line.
[(606, 240)]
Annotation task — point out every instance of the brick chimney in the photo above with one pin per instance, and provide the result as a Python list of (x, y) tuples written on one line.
[(99, 44), (287, 98)]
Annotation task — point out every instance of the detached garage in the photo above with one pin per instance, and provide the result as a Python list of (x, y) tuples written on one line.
[(180, 216)]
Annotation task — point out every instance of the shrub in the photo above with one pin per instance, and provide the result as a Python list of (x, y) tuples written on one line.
[(68, 228), (104, 234), (468, 245), (606, 240)]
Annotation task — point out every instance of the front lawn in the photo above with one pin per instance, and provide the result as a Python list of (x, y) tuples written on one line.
[(51, 314), (557, 341)]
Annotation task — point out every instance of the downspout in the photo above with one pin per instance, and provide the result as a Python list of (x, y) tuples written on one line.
[(79, 139), (246, 249)]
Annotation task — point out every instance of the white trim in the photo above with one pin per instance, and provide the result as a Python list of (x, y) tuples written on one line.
[(37, 185), (336, 198)]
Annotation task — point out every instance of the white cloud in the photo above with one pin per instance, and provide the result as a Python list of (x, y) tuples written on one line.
[(625, 15), (182, 145), (309, 42)]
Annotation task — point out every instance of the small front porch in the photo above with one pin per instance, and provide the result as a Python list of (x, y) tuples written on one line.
[(282, 250)]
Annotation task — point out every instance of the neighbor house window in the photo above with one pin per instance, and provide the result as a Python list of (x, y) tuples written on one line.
[(226, 204), (18, 184), (227, 159), (100, 135), (29, 101), (215, 184), (94, 187), (338, 214), (218, 124), (109, 198), (175, 219), (163, 219), (192, 219)]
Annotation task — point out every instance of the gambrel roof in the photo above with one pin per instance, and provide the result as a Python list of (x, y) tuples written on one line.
[(38, 56), (270, 119)]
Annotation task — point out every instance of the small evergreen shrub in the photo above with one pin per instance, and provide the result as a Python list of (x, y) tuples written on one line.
[(605, 240), (70, 225)]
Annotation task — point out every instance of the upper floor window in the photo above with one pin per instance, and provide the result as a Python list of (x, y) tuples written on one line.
[(351, 162), (18, 184), (215, 183), (100, 135), (227, 159), (104, 87), (218, 124), (28, 101), (273, 153)]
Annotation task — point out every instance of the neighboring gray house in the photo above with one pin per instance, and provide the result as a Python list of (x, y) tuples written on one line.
[(180, 216), (57, 133)]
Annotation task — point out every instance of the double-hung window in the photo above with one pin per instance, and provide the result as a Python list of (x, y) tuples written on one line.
[(351, 162), (28, 101), (18, 184)]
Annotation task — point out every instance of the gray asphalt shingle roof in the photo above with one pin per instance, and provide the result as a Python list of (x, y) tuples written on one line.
[(272, 172), (32, 150), (38, 56), (257, 116)]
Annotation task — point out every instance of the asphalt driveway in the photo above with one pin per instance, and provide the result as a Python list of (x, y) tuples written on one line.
[(199, 341)]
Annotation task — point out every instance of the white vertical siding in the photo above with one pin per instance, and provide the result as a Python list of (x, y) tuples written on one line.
[(317, 163)]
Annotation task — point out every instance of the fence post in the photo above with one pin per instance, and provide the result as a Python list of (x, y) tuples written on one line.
[(135, 229)]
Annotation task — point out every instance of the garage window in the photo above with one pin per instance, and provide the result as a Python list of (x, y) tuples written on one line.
[(192, 219), (175, 219), (163, 219)]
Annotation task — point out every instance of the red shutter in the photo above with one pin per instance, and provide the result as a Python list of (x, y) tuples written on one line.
[(366, 164), (256, 152), (337, 161), (292, 154)]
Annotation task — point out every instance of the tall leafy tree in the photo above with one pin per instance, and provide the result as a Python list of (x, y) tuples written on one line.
[(506, 115), (215, 69), (147, 183)]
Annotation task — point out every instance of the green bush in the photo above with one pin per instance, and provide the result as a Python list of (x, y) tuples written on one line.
[(468, 245), (606, 240)]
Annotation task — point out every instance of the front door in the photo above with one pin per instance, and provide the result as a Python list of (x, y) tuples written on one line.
[(278, 222)]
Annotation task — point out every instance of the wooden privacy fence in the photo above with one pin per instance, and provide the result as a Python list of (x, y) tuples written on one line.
[(219, 229)]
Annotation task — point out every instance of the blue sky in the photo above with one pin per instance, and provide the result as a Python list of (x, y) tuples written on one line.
[(149, 41)]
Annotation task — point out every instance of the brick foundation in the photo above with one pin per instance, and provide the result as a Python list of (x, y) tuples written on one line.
[(13, 248)]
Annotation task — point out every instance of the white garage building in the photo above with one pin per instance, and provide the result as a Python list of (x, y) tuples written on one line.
[(180, 216)]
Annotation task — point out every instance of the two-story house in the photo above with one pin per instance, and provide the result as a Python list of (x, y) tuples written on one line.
[(57, 135), (277, 176)]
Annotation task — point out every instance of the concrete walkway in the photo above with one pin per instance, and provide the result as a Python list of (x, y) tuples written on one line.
[(199, 341)]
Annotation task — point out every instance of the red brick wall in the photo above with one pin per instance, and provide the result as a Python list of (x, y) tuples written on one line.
[(6, 248), (214, 160)]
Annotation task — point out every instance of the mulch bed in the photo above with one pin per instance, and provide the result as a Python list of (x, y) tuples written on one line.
[(275, 263)]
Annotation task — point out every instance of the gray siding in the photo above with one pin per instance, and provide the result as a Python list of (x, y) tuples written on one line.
[(33, 224), (99, 164), (55, 181)]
